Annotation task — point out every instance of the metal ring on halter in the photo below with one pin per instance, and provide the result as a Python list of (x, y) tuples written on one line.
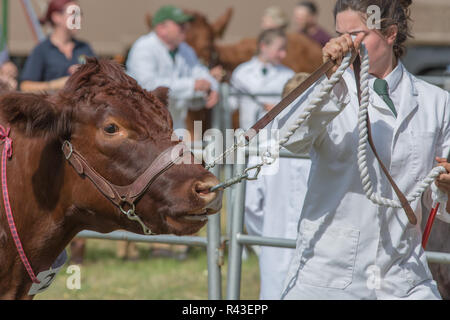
[(258, 169), (131, 214), (67, 143), (128, 212), (267, 158)]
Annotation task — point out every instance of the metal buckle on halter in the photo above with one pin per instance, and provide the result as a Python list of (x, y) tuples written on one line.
[(131, 214), (67, 143)]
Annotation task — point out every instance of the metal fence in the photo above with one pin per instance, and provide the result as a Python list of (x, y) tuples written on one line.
[(235, 238)]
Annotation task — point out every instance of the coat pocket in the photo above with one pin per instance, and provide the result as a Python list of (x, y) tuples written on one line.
[(328, 254), (423, 153)]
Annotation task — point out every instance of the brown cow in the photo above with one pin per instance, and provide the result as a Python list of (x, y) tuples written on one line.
[(119, 129)]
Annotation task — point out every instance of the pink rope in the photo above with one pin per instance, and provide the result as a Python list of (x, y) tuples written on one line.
[(7, 153)]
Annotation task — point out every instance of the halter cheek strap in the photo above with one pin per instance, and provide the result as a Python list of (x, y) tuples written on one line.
[(127, 196)]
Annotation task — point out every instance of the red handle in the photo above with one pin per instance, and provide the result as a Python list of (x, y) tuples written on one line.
[(427, 231)]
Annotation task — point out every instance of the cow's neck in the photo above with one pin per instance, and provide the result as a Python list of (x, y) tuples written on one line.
[(44, 219)]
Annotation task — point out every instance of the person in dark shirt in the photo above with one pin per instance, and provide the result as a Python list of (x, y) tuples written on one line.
[(305, 21), (53, 60)]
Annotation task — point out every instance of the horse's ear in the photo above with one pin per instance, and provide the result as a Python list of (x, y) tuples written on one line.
[(34, 115), (149, 20), (162, 93), (221, 23)]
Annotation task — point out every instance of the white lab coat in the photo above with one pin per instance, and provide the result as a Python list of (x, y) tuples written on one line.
[(248, 78), (273, 202), (150, 63), (347, 247), (272, 209)]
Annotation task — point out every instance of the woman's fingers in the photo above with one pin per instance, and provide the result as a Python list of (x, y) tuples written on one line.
[(443, 181), (338, 47), (358, 40)]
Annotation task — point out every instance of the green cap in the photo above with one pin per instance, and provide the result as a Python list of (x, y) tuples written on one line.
[(170, 13)]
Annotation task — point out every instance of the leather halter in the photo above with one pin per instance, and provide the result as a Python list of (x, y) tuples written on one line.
[(127, 195)]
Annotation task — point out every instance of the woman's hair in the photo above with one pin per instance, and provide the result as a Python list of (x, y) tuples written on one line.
[(267, 36), (54, 6), (277, 15), (311, 6), (392, 12)]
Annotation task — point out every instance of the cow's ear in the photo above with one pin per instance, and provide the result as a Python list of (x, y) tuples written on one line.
[(149, 20), (162, 93), (221, 23), (35, 115)]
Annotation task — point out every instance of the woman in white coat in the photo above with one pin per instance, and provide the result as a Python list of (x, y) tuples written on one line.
[(263, 74), (348, 247), (273, 202)]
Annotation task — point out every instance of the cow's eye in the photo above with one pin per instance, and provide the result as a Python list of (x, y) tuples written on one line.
[(111, 128)]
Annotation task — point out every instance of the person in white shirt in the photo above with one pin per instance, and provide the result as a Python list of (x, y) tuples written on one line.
[(348, 247), (273, 202), (273, 206), (162, 58), (263, 74)]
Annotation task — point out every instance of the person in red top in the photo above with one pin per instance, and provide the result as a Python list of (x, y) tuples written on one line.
[(57, 57)]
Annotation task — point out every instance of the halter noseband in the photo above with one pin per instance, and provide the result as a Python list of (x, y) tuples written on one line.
[(122, 196)]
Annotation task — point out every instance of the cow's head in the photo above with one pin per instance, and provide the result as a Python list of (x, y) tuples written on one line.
[(120, 129)]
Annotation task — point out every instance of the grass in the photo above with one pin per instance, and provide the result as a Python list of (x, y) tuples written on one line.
[(104, 276)]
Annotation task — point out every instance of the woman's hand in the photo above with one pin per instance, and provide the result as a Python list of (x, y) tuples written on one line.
[(73, 68), (443, 181), (212, 99), (269, 106), (337, 48)]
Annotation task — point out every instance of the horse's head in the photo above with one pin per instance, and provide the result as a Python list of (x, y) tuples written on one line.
[(119, 129)]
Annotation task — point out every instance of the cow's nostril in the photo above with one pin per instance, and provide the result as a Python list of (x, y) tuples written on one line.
[(212, 200), (202, 188)]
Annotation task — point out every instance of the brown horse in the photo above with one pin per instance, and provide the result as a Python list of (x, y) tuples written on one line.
[(119, 129)]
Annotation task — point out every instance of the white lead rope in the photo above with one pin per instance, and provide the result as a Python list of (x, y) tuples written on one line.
[(313, 104), (362, 147)]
